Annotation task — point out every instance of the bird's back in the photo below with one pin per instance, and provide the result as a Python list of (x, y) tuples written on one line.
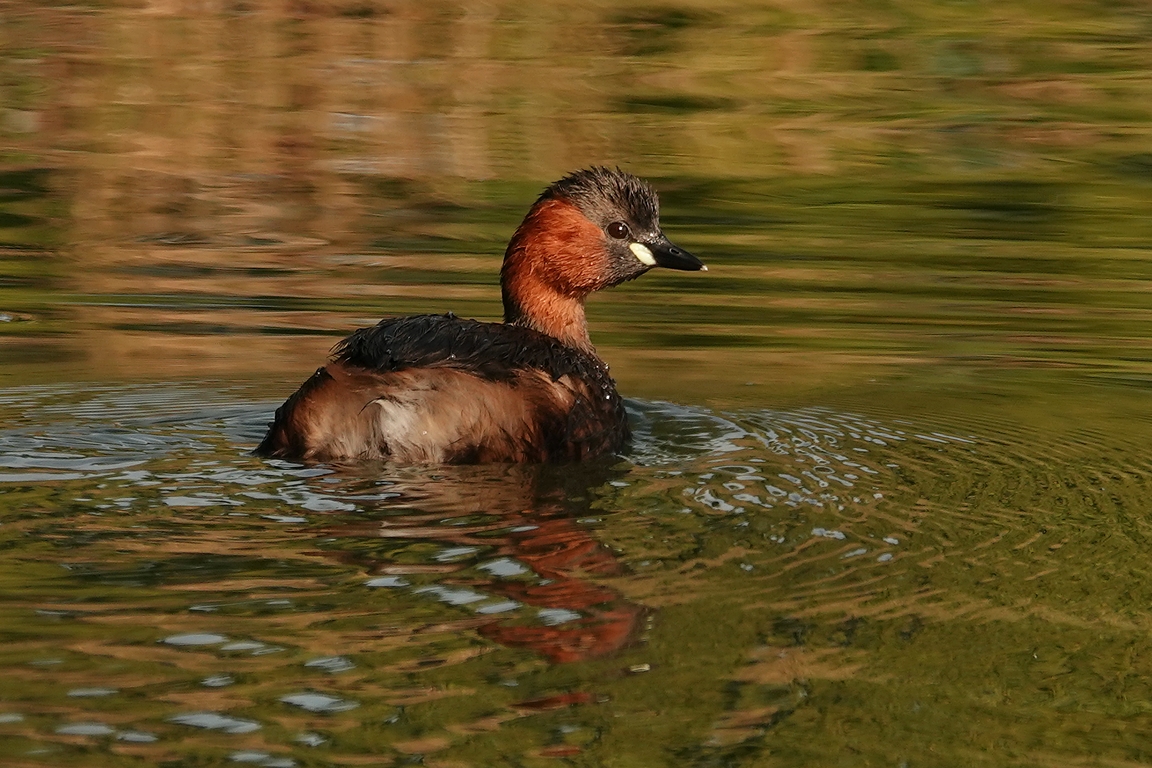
[(440, 389)]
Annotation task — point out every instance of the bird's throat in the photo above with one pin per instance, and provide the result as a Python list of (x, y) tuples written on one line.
[(530, 304)]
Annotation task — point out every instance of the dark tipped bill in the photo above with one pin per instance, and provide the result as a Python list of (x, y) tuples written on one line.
[(662, 253)]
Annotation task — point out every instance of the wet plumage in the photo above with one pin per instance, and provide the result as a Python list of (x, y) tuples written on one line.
[(441, 389)]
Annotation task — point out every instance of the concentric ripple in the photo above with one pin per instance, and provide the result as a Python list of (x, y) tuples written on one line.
[(165, 589)]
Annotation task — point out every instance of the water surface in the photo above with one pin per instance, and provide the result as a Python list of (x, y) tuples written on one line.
[(887, 502)]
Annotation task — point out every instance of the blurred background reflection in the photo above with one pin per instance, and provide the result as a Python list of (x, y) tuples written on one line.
[(888, 498)]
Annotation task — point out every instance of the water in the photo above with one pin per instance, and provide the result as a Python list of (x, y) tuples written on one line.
[(887, 502)]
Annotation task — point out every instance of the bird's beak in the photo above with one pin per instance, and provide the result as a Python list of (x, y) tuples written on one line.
[(660, 252)]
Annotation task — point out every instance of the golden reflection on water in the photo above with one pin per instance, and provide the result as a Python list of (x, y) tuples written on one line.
[(748, 585), (918, 534), (928, 184)]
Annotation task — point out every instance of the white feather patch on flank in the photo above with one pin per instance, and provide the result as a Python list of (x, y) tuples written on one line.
[(641, 252)]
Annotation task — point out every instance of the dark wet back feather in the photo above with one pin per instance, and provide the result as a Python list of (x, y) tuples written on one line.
[(491, 351)]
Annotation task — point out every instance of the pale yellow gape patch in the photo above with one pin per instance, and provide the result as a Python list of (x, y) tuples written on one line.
[(642, 254)]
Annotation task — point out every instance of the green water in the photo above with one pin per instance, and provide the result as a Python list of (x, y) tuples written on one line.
[(888, 498)]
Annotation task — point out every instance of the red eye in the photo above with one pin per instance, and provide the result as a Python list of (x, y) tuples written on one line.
[(618, 230)]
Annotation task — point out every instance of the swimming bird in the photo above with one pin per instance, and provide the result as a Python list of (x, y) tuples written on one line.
[(430, 389)]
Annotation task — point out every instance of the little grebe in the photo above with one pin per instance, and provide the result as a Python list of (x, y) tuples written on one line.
[(440, 389)]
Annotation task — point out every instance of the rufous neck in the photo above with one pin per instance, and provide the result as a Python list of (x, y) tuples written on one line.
[(532, 304), (548, 270)]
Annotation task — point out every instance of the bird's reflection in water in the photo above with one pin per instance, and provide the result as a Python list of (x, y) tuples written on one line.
[(531, 518)]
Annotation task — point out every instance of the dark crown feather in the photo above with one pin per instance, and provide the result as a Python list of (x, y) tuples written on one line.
[(597, 189)]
